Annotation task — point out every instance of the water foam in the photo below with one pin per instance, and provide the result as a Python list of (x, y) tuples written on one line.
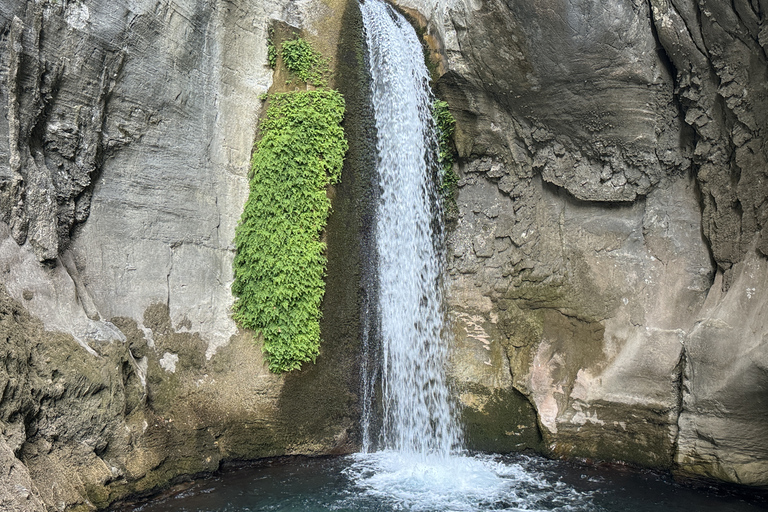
[(459, 483)]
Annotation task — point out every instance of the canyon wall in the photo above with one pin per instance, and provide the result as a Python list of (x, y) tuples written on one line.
[(608, 261), (608, 281), (124, 156)]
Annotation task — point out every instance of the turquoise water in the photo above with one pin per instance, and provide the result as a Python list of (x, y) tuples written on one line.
[(383, 482)]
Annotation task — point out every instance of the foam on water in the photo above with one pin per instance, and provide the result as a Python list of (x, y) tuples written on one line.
[(459, 483)]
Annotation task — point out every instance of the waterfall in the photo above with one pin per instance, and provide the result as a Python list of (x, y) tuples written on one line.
[(412, 457), (418, 416)]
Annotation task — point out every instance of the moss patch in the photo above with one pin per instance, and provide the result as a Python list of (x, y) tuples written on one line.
[(280, 261), (320, 401), (301, 59), (449, 180)]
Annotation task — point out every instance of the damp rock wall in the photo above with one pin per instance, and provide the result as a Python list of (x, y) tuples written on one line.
[(607, 263), (125, 145)]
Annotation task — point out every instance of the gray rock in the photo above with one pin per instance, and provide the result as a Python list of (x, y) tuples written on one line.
[(618, 148), (592, 104), (722, 424), (17, 493), (721, 71), (597, 141), (123, 173)]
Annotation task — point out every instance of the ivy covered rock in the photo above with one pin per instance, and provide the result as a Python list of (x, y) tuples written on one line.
[(280, 262)]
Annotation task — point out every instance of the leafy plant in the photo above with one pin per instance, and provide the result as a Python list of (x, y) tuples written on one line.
[(280, 263), (271, 49), (446, 125), (303, 61)]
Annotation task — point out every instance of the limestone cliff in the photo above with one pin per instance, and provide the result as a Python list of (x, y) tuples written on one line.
[(124, 152), (608, 261), (608, 273)]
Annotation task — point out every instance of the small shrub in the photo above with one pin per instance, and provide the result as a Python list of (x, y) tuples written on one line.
[(303, 61), (446, 124), (271, 49)]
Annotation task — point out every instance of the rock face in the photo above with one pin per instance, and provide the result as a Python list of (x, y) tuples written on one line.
[(126, 135), (123, 172), (609, 251), (607, 267), (83, 430)]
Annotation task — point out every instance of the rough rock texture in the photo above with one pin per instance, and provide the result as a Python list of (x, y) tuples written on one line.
[(610, 241), (722, 427), (82, 430), (124, 151), (719, 52), (140, 117), (127, 134)]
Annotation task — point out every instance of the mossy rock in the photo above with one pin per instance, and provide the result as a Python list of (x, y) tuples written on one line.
[(502, 421)]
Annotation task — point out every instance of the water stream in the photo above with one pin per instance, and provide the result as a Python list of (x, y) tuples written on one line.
[(418, 415)]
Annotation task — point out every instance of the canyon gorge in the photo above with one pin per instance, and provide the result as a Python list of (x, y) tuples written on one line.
[(607, 259)]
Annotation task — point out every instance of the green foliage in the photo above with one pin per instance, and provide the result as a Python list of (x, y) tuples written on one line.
[(280, 262), (303, 61), (446, 125), (271, 49)]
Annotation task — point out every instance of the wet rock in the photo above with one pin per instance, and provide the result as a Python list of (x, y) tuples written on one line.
[(604, 153), (596, 142)]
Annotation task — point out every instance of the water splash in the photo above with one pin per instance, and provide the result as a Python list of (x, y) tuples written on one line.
[(418, 415), (400, 481)]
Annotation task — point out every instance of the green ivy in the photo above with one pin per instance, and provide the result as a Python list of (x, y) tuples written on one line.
[(446, 124), (303, 61), (280, 262), (271, 49)]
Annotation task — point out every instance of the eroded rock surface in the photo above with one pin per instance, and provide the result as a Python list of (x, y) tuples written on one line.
[(719, 54), (125, 146), (726, 380), (612, 195)]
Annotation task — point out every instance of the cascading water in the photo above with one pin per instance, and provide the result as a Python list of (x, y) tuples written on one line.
[(419, 464), (417, 413)]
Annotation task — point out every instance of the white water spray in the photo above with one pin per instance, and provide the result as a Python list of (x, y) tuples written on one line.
[(418, 415)]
